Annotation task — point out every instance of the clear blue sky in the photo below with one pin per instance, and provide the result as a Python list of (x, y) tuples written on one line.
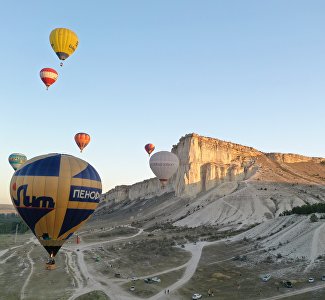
[(251, 72)]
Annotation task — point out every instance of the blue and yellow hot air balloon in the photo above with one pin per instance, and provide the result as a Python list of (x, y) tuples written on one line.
[(64, 42), (16, 160), (55, 194)]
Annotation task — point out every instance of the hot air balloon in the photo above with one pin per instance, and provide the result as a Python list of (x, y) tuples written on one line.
[(16, 160), (82, 139), (164, 164), (149, 148), (64, 42), (55, 194), (48, 76)]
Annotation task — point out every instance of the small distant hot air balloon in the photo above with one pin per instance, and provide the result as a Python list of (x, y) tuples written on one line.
[(16, 160), (55, 194), (149, 148), (64, 42), (164, 164), (48, 76), (82, 139)]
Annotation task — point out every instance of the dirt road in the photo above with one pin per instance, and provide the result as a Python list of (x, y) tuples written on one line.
[(298, 292), (23, 293)]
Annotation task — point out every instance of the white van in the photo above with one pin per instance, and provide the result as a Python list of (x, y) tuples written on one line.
[(266, 277)]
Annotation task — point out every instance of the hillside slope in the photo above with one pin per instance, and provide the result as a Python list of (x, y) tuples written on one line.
[(222, 184)]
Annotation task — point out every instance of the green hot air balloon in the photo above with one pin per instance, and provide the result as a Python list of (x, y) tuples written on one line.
[(16, 160)]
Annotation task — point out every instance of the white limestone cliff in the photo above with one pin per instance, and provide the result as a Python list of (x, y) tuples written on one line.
[(204, 164)]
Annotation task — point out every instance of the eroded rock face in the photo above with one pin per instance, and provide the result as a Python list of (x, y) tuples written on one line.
[(207, 162), (145, 189), (290, 158), (204, 164)]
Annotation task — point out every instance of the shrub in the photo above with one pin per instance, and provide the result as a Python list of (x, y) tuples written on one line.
[(313, 218)]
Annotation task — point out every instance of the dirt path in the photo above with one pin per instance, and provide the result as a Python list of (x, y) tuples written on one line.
[(92, 281), (298, 292), (8, 257), (113, 289), (83, 247), (315, 246), (196, 251), (23, 293)]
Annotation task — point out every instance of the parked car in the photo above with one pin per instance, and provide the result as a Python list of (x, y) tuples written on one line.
[(132, 288), (155, 279), (311, 280), (266, 277), (323, 278), (133, 278), (287, 284), (196, 296), (148, 280)]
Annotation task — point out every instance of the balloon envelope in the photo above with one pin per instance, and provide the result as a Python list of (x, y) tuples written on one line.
[(164, 164), (82, 140), (55, 194), (64, 42), (48, 76), (16, 160), (149, 148)]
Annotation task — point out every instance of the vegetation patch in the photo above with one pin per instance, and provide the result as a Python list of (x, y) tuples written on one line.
[(109, 234), (94, 295), (305, 209), (9, 222)]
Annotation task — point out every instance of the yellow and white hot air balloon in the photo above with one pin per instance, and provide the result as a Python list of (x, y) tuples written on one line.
[(55, 194), (64, 42), (164, 164)]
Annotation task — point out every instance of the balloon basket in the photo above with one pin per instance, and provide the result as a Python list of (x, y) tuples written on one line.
[(50, 265)]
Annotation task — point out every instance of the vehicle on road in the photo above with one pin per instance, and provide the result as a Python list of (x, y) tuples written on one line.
[(132, 288), (311, 280), (323, 278), (287, 284), (133, 278), (148, 280), (266, 277), (155, 279), (196, 296)]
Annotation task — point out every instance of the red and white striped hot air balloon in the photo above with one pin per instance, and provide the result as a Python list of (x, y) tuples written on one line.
[(48, 76)]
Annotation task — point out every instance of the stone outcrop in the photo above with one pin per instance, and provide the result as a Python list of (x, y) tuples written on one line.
[(141, 190), (204, 163), (290, 158)]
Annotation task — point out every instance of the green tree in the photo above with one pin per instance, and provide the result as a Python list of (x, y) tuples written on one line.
[(313, 218)]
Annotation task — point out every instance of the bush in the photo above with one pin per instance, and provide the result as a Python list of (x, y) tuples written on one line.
[(313, 218), (269, 259)]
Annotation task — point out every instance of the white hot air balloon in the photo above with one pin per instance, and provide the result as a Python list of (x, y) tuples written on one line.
[(164, 164)]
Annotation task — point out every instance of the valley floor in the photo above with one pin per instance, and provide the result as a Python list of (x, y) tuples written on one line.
[(103, 264)]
